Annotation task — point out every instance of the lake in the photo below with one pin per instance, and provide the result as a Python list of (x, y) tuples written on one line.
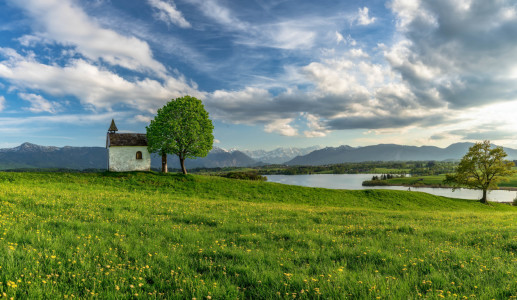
[(354, 182)]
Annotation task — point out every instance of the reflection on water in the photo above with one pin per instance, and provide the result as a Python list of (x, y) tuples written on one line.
[(354, 182)]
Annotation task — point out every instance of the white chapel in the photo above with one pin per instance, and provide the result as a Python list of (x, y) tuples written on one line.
[(127, 151)]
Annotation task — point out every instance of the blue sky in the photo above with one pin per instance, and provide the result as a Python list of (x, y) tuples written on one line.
[(271, 73)]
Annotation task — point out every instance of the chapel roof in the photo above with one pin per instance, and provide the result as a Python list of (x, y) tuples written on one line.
[(127, 139)]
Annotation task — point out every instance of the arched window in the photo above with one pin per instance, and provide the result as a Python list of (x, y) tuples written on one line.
[(139, 155)]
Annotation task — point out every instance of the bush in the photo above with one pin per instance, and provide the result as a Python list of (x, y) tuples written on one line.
[(245, 176), (375, 182), (514, 203)]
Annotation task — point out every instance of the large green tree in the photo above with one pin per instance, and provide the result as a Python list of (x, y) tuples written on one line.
[(181, 127), (483, 167)]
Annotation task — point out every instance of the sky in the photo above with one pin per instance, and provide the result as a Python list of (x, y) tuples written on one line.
[(271, 73)]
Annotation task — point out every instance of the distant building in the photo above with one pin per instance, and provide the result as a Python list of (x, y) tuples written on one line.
[(127, 151)]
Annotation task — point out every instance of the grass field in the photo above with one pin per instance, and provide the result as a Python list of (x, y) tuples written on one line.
[(118, 236)]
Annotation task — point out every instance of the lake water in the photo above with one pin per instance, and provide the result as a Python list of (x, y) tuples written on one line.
[(354, 182)]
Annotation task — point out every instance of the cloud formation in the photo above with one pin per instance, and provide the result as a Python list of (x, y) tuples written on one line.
[(63, 22), (288, 34), (40, 104), (456, 53), (445, 57), (298, 73), (282, 127), (95, 87), (221, 14), (166, 11), (363, 18)]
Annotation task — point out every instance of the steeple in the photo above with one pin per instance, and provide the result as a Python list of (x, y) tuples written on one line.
[(113, 127)]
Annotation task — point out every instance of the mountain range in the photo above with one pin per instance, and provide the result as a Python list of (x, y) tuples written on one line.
[(386, 152), (29, 155)]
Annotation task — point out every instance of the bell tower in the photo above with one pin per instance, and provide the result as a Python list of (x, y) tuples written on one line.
[(113, 128)]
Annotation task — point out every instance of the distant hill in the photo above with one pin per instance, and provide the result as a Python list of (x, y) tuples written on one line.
[(217, 158), (386, 152), (29, 155)]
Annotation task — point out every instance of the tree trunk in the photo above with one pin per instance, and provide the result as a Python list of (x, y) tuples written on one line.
[(164, 163), (182, 162), (484, 200)]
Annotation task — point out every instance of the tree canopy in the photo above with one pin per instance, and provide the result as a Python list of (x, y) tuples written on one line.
[(182, 127), (483, 167)]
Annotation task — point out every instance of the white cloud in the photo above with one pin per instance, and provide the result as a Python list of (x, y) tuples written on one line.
[(95, 87), (412, 10), (31, 40), (282, 127), (167, 12), (345, 40), (340, 38), (335, 76), (64, 22), (220, 13), (363, 18), (287, 34), (40, 104), (2, 103), (359, 53), (143, 119), (316, 129), (83, 119)]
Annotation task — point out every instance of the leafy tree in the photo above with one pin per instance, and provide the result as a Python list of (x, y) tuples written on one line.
[(181, 127), (482, 167)]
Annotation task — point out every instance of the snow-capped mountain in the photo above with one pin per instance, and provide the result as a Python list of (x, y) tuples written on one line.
[(279, 155), (28, 147)]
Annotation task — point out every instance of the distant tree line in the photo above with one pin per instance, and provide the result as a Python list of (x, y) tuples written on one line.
[(400, 168), (387, 176), (433, 168), (344, 168)]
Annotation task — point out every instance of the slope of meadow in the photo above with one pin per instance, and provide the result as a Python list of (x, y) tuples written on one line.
[(171, 236)]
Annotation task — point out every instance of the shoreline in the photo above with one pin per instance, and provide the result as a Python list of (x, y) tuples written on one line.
[(422, 185), (437, 186)]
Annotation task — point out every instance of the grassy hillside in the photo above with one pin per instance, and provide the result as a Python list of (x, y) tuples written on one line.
[(149, 235)]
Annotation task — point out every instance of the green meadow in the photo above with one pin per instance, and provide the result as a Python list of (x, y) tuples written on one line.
[(148, 235)]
